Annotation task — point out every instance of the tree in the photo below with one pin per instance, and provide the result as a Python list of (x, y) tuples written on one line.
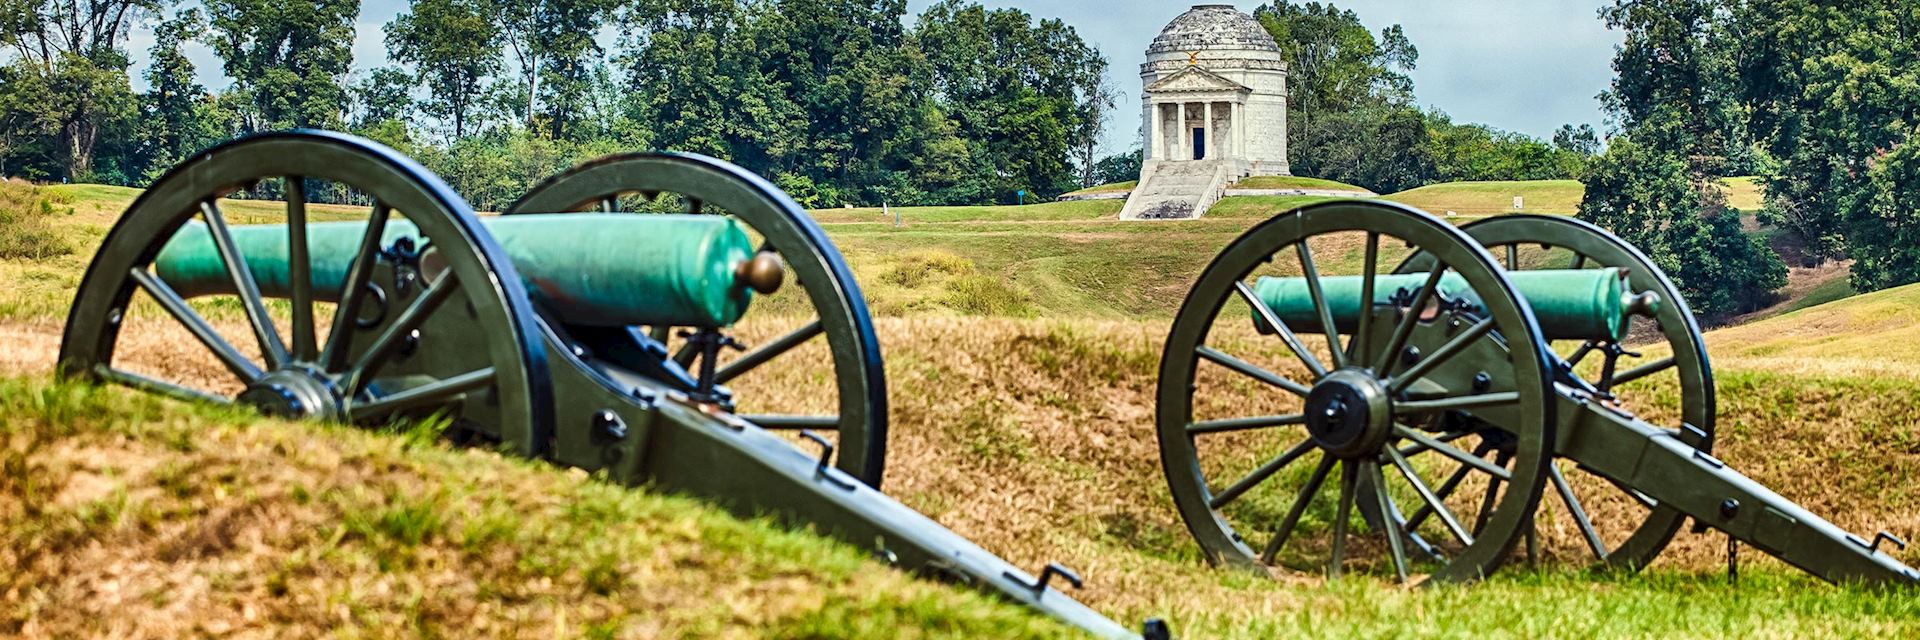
[(1833, 93), (551, 41), (1581, 140), (1335, 65), (289, 59), (384, 96), (177, 115), (1658, 185), (75, 49), (1119, 167), (1019, 90), (27, 115), (1654, 200), (454, 48)]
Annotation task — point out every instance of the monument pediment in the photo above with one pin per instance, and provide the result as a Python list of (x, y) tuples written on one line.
[(1194, 79)]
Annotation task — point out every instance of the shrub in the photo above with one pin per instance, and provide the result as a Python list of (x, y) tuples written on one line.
[(25, 233)]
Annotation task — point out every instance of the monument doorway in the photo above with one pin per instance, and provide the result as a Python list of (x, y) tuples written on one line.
[(1199, 143)]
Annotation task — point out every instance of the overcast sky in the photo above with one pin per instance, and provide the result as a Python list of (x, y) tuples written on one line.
[(1527, 66)]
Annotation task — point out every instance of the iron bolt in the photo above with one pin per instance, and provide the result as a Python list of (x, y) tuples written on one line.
[(1729, 508), (1482, 382), (607, 423), (1410, 356)]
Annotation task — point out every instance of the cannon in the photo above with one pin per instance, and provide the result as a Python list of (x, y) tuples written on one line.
[(1463, 409), (567, 329)]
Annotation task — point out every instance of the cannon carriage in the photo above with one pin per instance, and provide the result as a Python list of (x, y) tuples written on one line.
[(562, 330), (1452, 399)]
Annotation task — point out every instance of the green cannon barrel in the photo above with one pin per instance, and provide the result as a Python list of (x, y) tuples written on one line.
[(1584, 304), (589, 268)]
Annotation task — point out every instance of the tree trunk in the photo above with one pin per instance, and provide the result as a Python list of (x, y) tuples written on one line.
[(80, 137)]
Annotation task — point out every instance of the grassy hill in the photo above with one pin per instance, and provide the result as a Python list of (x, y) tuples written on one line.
[(1021, 345)]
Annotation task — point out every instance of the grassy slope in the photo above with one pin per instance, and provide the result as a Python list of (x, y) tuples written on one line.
[(1294, 182), (1036, 447), (122, 514)]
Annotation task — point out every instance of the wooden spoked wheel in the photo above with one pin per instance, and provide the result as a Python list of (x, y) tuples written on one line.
[(1269, 441), (386, 352), (855, 417)]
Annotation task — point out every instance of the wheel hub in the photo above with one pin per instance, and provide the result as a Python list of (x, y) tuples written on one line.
[(294, 392), (1349, 414)]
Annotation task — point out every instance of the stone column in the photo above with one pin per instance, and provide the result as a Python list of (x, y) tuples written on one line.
[(1209, 152), (1183, 137), (1159, 141), (1239, 116)]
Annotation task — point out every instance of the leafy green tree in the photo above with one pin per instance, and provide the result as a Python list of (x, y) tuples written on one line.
[(289, 59), (27, 118), (454, 47), (1119, 167), (1655, 199), (1335, 65), (178, 116), (1024, 93), (384, 96), (1580, 140), (75, 49), (1833, 90)]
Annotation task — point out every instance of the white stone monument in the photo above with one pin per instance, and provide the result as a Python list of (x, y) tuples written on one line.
[(1215, 111)]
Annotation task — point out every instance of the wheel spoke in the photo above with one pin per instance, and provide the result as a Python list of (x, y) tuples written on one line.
[(346, 315), (177, 307), (610, 204), (1261, 474), (1579, 261), (1341, 512), (151, 385), (1435, 504), (1579, 514), (1312, 275), (1440, 356), (1449, 451), (1370, 266), (1251, 371), (695, 206), (1244, 424), (1300, 504), (791, 423), (300, 271), (434, 393), (768, 351), (1492, 498), (1642, 371), (1446, 488), (1286, 334), (1383, 362), (245, 287), (1513, 257), (1459, 403), (1388, 518), (392, 337)]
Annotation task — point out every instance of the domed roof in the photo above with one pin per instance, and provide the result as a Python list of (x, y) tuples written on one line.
[(1213, 27)]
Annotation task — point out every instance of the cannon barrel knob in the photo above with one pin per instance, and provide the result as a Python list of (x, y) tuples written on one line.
[(762, 273), (1645, 303)]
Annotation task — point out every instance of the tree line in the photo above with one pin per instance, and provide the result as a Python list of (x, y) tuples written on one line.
[(1820, 100), (837, 102)]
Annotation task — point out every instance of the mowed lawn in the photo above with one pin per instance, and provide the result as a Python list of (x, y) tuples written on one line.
[(1022, 347)]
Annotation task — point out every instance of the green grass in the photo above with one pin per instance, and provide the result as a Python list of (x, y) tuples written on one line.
[(1743, 193), (1293, 182), (1111, 187), (330, 530), (1484, 198)]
